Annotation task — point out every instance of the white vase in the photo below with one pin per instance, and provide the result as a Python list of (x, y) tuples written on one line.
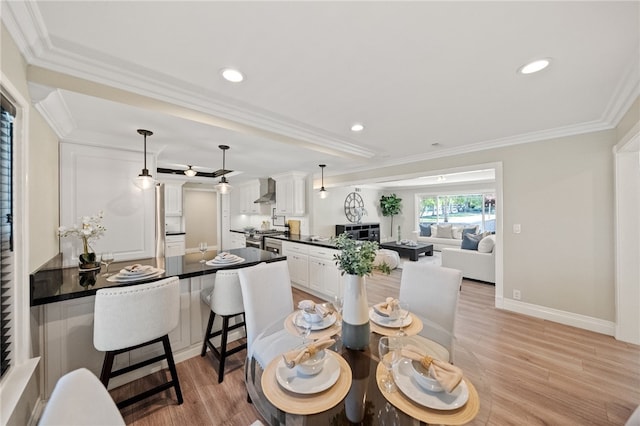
[(355, 313)]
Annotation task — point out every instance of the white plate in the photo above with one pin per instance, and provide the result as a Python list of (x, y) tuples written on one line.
[(326, 322), (403, 376), (291, 380), (118, 278), (386, 322), (218, 262)]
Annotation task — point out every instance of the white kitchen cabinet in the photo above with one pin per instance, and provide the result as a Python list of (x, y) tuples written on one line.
[(248, 193), (297, 261), (174, 245), (173, 198), (324, 275), (290, 193)]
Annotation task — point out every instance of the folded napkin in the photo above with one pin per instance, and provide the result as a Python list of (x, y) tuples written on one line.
[(136, 268), (295, 357), (448, 375), (310, 306), (388, 307)]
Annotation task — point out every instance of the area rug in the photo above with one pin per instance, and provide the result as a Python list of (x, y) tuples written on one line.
[(436, 259)]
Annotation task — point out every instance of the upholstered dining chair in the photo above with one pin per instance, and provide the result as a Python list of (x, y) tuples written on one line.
[(80, 399), (127, 318), (266, 291), (226, 301), (432, 292)]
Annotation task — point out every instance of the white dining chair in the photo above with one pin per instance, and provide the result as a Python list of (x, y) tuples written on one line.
[(225, 301), (266, 291), (80, 399), (432, 292), (131, 317)]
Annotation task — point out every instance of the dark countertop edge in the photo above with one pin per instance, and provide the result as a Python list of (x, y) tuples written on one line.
[(304, 239), (174, 233), (91, 292)]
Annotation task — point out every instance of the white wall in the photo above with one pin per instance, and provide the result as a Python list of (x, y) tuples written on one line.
[(200, 217)]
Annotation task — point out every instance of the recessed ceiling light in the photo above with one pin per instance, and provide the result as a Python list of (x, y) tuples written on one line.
[(535, 66), (357, 127), (232, 75)]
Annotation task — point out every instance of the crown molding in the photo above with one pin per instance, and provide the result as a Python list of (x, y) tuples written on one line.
[(625, 94), (55, 111), (25, 24)]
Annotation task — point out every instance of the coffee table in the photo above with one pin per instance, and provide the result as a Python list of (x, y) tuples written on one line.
[(412, 251)]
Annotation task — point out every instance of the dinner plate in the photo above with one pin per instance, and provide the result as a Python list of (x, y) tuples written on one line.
[(326, 322), (386, 322), (403, 376), (218, 262), (291, 380), (119, 278)]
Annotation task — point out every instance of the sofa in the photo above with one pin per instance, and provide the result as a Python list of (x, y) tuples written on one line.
[(444, 235), (476, 264)]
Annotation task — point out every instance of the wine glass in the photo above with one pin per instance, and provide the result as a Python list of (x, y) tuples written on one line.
[(106, 259), (304, 326), (337, 303), (203, 249), (404, 314), (388, 352)]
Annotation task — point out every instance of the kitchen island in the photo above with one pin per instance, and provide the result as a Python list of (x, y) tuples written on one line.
[(64, 312)]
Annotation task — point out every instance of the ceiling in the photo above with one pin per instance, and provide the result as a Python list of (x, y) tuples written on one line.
[(427, 79)]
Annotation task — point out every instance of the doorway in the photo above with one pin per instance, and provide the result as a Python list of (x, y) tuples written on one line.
[(200, 217)]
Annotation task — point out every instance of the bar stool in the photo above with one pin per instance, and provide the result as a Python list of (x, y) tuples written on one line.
[(127, 318), (226, 301)]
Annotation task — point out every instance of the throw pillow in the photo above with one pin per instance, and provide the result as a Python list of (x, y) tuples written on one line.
[(425, 230), (444, 231), (487, 244), (434, 230), (470, 230), (470, 241), (456, 232)]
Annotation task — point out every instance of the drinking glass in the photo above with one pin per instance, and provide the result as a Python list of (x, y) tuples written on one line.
[(404, 314), (337, 303), (389, 354), (203, 249), (106, 259), (304, 326)]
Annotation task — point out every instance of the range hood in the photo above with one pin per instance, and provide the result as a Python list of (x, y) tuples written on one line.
[(268, 191)]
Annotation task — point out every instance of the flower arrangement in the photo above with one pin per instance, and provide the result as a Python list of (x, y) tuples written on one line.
[(356, 257), (90, 229)]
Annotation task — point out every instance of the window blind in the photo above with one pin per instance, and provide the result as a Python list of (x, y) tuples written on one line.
[(7, 116)]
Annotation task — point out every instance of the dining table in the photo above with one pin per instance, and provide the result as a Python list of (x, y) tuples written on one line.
[(350, 390)]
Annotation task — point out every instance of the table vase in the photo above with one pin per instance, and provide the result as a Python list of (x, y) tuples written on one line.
[(355, 313)]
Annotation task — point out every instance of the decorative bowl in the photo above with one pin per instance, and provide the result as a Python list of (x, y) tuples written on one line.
[(424, 379), (313, 365)]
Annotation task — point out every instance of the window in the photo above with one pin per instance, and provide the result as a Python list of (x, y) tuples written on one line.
[(7, 116), (471, 209)]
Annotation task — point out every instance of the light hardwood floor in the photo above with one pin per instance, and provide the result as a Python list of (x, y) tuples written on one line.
[(539, 372)]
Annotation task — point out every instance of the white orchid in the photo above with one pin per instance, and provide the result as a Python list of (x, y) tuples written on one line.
[(91, 229)]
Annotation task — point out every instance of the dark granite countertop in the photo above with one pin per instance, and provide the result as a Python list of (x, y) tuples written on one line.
[(175, 233), (53, 283), (304, 239)]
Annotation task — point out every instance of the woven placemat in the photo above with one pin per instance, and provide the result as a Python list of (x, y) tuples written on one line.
[(414, 328), (334, 329), (294, 403), (459, 416)]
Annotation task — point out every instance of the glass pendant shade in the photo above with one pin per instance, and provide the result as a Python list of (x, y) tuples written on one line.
[(323, 193), (223, 186)]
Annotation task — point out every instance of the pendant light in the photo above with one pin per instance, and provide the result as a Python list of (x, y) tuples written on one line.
[(323, 192), (190, 172), (223, 186), (144, 179)]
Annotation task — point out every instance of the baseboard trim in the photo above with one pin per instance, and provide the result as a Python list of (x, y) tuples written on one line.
[(563, 317)]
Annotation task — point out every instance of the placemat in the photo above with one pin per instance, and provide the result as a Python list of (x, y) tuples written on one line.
[(460, 416), (414, 328), (306, 404), (334, 329)]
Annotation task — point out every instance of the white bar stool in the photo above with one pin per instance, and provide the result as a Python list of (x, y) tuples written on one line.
[(79, 399), (127, 318), (226, 301)]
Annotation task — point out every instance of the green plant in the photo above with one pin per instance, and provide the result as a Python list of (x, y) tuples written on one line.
[(390, 205), (356, 257)]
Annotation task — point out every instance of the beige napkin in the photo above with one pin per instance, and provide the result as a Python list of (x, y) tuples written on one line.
[(448, 375), (387, 307), (310, 306), (136, 268), (295, 357)]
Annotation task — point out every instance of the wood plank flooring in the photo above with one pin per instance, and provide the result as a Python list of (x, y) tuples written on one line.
[(539, 372)]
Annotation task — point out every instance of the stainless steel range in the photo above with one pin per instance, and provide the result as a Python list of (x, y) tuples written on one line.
[(256, 238)]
